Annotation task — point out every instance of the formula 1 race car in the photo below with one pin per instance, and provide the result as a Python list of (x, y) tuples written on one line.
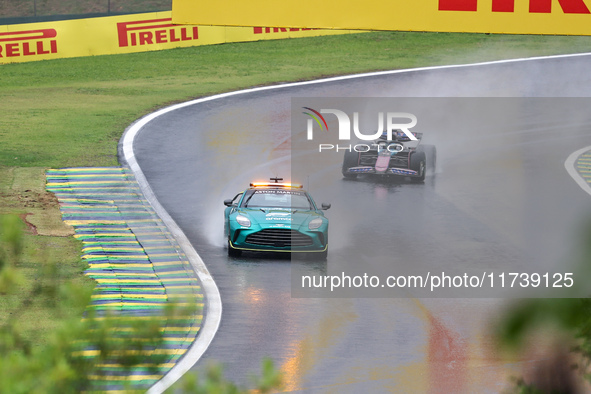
[(399, 156), (275, 217)]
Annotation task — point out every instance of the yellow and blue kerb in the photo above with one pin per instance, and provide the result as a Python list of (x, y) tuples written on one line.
[(138, 266)]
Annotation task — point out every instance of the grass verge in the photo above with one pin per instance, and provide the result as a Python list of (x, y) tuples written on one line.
[(72, 112), (46, 244)]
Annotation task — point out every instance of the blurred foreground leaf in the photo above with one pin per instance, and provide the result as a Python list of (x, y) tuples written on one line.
[(570, 317)]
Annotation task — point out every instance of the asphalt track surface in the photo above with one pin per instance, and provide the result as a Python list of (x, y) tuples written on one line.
[(499, 198)]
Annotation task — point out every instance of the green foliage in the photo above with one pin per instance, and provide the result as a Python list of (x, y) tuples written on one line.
[(71, 358), (71, 112), (10, 250), (271, 379), (214, 381), (61, 365), (571, 316), (565, 313)]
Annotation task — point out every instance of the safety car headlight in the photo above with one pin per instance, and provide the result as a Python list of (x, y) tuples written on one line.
[(315, 223), (243, 221)]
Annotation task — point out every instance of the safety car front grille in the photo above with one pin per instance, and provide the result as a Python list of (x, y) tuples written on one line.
[(279, 237)]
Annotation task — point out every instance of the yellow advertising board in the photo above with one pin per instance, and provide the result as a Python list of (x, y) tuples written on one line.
[(124, 34), (572, 17)]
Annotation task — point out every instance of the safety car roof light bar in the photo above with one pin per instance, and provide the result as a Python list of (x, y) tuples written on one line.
[(276, 183)]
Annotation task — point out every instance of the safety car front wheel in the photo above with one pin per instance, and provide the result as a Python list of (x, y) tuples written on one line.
[(233, 252)]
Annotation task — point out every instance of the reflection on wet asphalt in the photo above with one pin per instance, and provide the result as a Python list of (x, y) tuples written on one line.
[(497, 201)]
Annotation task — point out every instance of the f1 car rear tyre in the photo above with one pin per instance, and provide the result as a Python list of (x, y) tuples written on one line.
[(431, 154), (351, 159), (418, 163), (233, 252)]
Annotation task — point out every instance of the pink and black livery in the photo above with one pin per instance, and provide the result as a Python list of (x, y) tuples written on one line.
[(399, 156)]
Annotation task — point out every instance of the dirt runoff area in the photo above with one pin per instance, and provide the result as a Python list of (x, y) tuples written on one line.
[(22, 192)]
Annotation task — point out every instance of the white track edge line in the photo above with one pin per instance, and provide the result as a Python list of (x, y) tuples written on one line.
[(569, 164), (213, 315), (213, 297)]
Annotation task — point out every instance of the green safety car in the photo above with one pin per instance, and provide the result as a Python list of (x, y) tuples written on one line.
[(275, 217)]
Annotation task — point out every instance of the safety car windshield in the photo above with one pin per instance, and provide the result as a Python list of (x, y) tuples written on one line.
[(277, 198)]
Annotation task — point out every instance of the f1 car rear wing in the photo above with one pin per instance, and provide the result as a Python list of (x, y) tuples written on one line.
[(400, 136)]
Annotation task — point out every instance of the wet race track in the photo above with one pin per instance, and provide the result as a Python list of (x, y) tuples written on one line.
[(500, 200)]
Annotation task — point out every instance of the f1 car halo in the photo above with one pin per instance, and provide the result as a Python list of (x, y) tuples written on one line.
[(399, 156)]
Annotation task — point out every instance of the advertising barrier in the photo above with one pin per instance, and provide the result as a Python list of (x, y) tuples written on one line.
[(571, 17), (125, 34)]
